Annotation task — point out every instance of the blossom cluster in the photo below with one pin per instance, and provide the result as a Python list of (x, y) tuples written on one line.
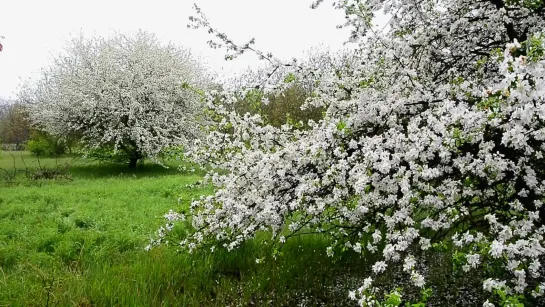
[(436, 135)]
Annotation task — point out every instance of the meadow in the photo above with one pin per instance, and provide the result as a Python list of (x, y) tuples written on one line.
[(79, 239)]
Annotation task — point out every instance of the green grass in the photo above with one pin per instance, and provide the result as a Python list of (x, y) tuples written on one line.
[(21, 158), (80, 242), (78, 167)]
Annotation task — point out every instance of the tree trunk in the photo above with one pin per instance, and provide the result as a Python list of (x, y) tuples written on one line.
[(132, 162)]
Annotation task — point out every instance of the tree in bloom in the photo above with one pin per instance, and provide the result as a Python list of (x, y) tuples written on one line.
[(433, 140), (14, 125), (123, 96)]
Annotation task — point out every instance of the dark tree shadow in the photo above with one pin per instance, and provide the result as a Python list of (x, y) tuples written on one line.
[(143, 170)]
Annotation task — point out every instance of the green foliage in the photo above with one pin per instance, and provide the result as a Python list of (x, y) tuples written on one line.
[(253, 99), (14, 124), (42, 144), (534, 48), (281, 109), (341, 126), (290, 78), (530, 4), (508, 300), (392, 299), (107, 154)]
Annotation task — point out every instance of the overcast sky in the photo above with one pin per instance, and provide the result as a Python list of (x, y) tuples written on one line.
[(35, 30)]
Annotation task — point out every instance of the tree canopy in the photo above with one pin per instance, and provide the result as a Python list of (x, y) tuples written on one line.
[(127, 96)]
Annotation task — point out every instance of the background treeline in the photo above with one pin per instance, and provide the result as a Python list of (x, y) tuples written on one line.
[(15, 127), (285, 106), (277, 108), (16, 133)]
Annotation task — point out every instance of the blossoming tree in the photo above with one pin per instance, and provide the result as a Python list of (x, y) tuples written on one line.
[(129, 96), (434, 139)]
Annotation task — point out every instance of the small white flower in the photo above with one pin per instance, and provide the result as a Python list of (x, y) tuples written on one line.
[(488, 304), (425, 244), (534, 267), (357, 247), (473, 260), (496, 249), (409, 263), (417, 279), (379, 267), (366, 284), (329, 251)]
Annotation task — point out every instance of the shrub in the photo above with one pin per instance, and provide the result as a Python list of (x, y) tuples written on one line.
[(42, 144)]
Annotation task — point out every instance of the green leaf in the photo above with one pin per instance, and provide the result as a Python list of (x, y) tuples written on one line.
[(290, 78)]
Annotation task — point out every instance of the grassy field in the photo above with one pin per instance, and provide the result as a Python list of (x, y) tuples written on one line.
[(80, 241)]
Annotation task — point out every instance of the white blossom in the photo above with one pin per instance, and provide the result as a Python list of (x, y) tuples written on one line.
[(436, 127), (127, 94)]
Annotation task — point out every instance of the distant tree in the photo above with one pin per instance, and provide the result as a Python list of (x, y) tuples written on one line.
[(288, 103), (127, 96), (14, 124)]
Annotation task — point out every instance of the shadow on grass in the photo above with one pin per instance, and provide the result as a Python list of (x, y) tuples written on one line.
[(302, 275), (21, 162), (107, 170)]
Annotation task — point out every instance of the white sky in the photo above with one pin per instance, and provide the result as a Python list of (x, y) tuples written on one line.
[(34, 30)]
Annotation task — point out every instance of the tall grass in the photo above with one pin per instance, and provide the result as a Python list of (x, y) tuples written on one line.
[(81, 242)]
